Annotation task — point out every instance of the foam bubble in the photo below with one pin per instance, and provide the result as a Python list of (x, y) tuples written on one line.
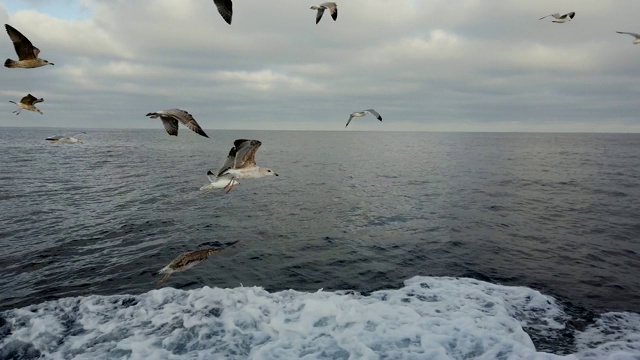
[(429, 318)]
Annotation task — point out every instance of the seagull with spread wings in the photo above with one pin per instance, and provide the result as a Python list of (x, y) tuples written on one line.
[(27, 53), (188, 260), (225, 8), (171, 117), (364, 113), (636, 36), (65, 138), (560, 18), (333, 9), (27, 103), (241, 164)]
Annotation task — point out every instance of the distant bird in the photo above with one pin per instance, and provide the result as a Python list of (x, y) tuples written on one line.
[(637, 36), (225, 8), (364, 113), (65, 139), (333, 8), (27, 53), (188, 260), (560, 18), (241, 163), (170, 118), (26, 103)]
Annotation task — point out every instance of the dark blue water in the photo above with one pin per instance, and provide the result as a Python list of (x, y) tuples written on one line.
[(363, 211)]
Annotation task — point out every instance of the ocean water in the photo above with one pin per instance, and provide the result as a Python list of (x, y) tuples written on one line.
[(367, 246)]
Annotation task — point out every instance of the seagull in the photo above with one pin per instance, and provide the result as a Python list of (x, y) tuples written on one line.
[(364, 113), (188, 260), (218, 182), (65, 139), (225, 8), (241, 163), (170, 118), (561, 18), (333, 8), (637, 36), (26, 103), (27, 53)]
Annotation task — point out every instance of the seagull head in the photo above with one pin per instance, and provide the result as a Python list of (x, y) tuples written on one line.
[(268, 172)]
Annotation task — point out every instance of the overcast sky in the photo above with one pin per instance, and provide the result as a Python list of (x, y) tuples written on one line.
[(436, 65)]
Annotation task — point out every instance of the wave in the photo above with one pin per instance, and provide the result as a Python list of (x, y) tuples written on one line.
[(428, 318)]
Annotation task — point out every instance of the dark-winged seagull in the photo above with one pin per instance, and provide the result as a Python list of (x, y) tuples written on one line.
[(333, 8), (225, 8), (27, 53), (560, 18), (241, 163), (636, 36), (27, 103), (170, 118), (188, 260), (364, 113)]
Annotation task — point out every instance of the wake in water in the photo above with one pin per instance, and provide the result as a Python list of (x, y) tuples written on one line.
[(433, 318)]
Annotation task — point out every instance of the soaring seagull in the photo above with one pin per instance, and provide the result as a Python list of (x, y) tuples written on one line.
[(65, 139), (27, 53), (333, 8), (241, 163), (364, 113), (637, 36), (170, 118), (561, 18), (188, 260), (225, 8), (27, 103)]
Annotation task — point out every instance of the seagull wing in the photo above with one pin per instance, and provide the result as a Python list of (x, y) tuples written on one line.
[(374, 113), (29, 100), (555, 15), (571, 14), (333, 8), (349, 121), (246, 153), (225, 8), (23, 46), (319, 14), (170, 124), (186, 119), (637, 36), (228, 163)]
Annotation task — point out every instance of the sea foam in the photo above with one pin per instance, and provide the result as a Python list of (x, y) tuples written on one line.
[(429, 318)]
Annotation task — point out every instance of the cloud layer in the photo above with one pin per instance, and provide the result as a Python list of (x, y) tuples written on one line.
[(441, 65)]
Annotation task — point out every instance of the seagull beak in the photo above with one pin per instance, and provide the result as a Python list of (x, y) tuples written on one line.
[(51, 64), (276, 174)]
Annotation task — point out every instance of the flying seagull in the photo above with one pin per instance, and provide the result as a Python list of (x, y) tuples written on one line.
[(225, 8), (637, 36), (170, 118), (364, 113), (188, 260), (27, 53), (561, 18), (333, 8), (65, 139), (27, 103), (241, 163)]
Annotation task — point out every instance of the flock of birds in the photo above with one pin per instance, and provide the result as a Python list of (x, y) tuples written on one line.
[(241, 159)]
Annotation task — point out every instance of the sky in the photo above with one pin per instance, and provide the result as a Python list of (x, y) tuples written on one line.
[(424, 65)]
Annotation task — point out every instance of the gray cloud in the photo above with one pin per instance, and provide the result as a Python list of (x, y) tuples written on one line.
[(467, 65)]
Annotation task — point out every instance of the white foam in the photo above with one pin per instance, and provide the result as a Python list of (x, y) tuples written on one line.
[(429, 318)]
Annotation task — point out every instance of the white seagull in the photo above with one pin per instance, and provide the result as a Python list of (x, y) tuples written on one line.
[(241, 163), (333, 9), (561, 18), (225, 8), (364, 113), (65, 139), (27, 103), (170, 118), (637, 36)]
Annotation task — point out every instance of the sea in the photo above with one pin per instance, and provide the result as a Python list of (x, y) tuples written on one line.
[(368, 245)]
